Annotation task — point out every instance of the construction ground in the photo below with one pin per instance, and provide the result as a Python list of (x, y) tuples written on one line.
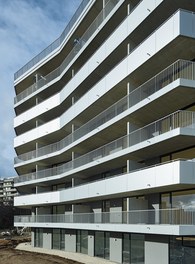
[(18, 250), (11, 255)]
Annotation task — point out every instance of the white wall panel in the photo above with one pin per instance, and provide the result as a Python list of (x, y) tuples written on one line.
[(37, 110), (40, 131)]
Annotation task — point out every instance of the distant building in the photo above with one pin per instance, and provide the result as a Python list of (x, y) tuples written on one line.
[(7, 191), (7, 210)]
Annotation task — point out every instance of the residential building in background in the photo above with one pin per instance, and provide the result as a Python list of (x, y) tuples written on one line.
[(7, 194), (105, 134), (7, 191)]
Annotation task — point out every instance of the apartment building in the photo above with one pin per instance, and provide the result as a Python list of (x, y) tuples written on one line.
[(7, 191), (105, 134)]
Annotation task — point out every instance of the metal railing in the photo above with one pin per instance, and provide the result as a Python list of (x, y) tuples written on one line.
[(77, 47), (179, 69), (174, 216), (80, 184), (178, 119), (53, 45)]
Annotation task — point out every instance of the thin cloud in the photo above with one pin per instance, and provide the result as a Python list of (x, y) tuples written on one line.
[(26, 27)]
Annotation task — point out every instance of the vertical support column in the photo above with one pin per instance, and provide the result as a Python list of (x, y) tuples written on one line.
[(128, 105), (128, 139), (128, 9), (128, 166), (72, 73), (73, 128), (36, 100), (36, 77), (36, 149), (103, 6), (36, 170), (128, 92), (73, 183), (128, 48)]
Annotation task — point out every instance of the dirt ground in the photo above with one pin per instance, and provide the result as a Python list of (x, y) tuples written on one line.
[(10, 255)]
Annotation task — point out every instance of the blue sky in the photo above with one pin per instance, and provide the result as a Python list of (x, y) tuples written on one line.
[(26, 28)]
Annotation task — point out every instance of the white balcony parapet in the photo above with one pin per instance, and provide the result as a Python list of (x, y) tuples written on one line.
[(179, 119), (179, 69), (58, 71), (167, 174), (174, 216)]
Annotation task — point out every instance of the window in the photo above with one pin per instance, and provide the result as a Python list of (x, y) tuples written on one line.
[(182, 250), (126, 249), (38, 237), (102, 244), (82, 241), (58, 239)]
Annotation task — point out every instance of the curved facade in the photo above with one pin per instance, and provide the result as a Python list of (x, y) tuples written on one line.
[(105, 134)]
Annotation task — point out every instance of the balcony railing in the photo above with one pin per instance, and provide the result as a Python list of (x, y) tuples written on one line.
[(176, 216), (53, 45), (81, 42), (178, 119), (179, 69)]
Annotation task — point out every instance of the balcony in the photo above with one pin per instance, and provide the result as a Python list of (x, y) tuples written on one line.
[(175, 174), (180, 122), (176, 221), (59, 71), (181, 69), (54, 45)]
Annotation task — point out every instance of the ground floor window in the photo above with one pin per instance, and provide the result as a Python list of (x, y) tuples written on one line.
[(58, 239), (38, 237), (82, 241), (102, 245), (182, 250), (133, 248)]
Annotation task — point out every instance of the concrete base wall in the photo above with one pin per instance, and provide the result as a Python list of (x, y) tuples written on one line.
[(156, 252), (91, 244), (116, 247), (47, 238), (70, 241)]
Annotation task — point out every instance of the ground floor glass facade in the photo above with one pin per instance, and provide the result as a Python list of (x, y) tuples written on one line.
[(133, 246), (182, 250)]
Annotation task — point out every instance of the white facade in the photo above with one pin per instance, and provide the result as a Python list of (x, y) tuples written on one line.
[(105, 125)]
